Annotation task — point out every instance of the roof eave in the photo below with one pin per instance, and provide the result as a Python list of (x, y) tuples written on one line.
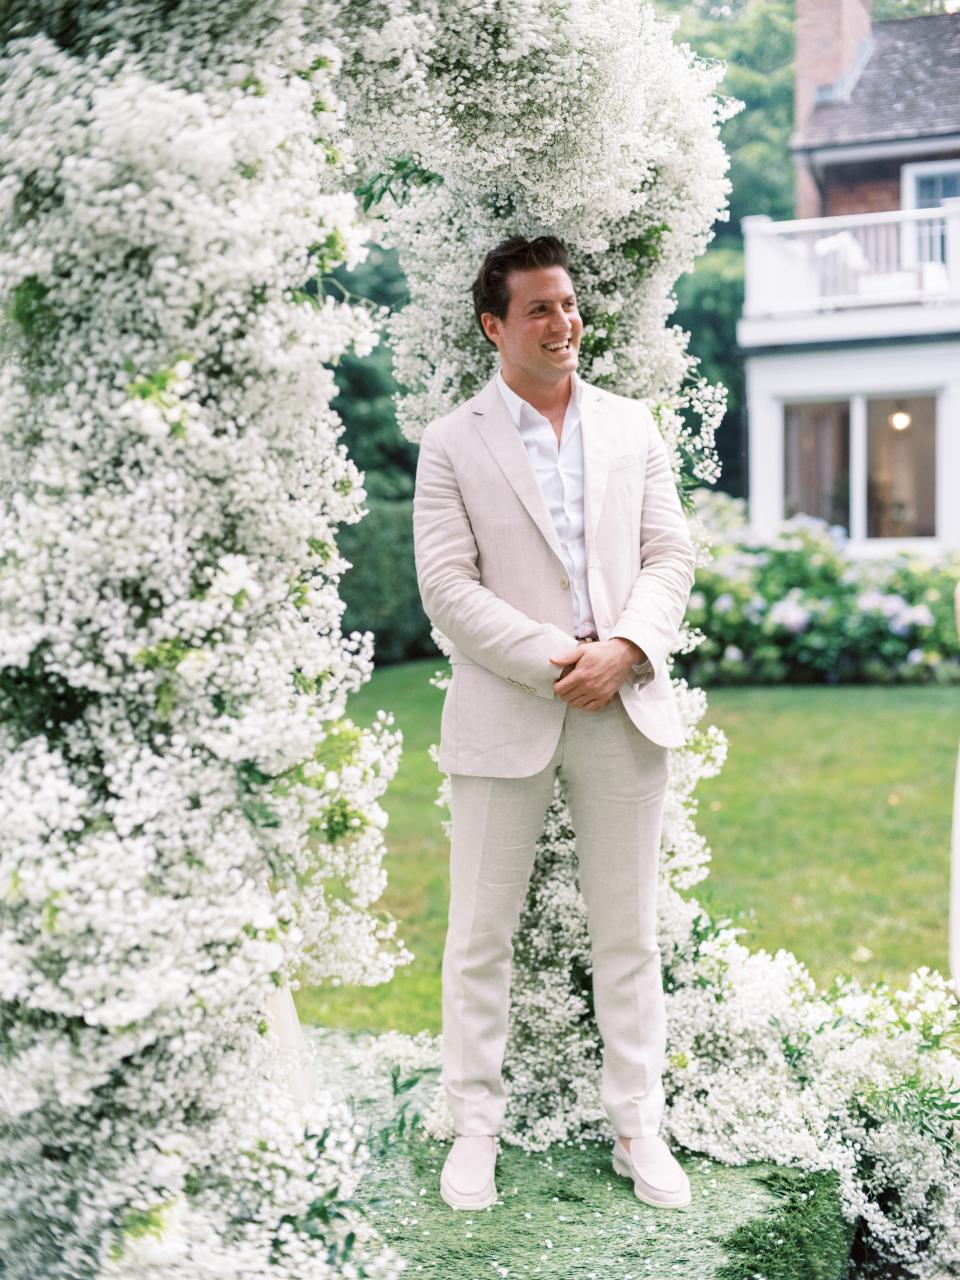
[(821, 155)]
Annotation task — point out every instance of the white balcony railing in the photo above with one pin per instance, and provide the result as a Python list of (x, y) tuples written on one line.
[(863, 260)]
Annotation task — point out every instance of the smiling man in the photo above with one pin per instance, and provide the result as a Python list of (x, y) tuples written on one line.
[(553, 553)]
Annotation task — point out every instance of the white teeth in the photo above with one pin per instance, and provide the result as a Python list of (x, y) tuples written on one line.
[(557, 346)]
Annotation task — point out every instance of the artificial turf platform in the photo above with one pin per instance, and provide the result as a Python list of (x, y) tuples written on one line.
[(565, 1214)]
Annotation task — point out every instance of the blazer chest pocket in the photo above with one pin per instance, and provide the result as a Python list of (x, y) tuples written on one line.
[(624, 460)]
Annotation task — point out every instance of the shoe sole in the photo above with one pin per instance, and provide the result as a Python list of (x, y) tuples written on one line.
[(625, 1172), (449, 1199)]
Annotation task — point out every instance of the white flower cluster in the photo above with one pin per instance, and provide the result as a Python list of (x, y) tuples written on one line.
[(474, 122), (187, 818)]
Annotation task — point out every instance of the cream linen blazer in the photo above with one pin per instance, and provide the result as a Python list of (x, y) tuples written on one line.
[(493, 581)]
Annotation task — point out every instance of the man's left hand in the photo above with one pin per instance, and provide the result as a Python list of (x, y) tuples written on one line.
[(594, 672)]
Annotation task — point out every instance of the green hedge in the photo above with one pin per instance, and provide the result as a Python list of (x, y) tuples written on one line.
[(381, 589)]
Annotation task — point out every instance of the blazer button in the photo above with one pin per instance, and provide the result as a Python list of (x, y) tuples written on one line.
[(564, 582)]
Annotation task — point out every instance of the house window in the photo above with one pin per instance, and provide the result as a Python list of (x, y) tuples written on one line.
[(933, 188), (867, 463), (925, 185), (901, 467), (817, 461)]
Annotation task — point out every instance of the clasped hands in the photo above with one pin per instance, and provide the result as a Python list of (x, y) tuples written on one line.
[(592, 673)]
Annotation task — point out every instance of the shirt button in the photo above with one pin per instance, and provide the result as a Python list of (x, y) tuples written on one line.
[(564, 582)]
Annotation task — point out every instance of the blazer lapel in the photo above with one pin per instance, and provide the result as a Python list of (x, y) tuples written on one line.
[(596, 460), (500, 435)]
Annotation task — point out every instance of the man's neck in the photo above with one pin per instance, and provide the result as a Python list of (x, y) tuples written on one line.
[(550, 399)]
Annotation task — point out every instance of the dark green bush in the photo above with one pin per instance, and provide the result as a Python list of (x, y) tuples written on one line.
[(380, 589)]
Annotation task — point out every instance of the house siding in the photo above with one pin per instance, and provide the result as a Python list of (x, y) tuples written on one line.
[(862, 188), (868, 188)]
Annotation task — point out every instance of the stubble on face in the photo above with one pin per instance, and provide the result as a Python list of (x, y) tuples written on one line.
[(539, 338)]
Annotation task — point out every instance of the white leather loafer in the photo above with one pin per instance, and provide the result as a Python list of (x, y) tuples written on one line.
[(467, 1178), (657, 1178)]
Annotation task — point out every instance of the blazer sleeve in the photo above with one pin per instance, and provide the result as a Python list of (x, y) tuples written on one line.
[(654, 610), (486, 628)]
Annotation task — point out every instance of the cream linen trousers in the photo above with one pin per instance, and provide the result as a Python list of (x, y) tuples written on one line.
[(615, 780)]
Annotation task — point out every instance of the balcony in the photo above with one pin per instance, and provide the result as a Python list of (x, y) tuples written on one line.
[(869, 275)]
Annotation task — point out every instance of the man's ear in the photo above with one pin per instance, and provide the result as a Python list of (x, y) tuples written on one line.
[(491, 325)]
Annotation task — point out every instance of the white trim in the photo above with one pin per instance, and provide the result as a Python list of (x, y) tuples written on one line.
[(850, 153), (762, 225), (776, 379), (880, 548), (850, 325), (858, 468), (921, 169)]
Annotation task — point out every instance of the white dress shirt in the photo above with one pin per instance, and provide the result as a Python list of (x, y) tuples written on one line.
[(559, 472)]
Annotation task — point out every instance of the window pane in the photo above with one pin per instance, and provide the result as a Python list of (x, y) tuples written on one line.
[(817, 461), (901, 467), (927, 194), (933, 188)]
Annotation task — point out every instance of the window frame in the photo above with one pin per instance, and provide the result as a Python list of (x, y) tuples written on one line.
[(922, 169), (859, 469)]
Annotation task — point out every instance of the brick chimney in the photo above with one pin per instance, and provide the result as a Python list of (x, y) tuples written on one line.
[(832, 38)]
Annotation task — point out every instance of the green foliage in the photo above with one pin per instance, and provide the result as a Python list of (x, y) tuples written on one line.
[(137, 1223), (395, 182), (330, 251), (166, 654), (367, 386), (709, 304), (644, 250), (883, 9), (37, 700), (598, 337), (798, 610), (755, 41), (156, 389), (803, 1236), (930, 1109), (30, 311), (340, 820), (381, 591)]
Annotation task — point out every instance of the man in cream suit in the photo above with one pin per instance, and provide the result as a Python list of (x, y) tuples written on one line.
[(552, 552)]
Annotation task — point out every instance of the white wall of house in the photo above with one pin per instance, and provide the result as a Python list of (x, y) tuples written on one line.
[(856, 375)]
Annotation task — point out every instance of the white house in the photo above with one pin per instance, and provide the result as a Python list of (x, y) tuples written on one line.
[(851, 320)]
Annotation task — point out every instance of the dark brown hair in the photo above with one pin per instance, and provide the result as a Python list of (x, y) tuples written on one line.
[(490, 292)]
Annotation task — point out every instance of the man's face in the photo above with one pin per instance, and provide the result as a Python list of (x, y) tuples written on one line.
[(539, 338)]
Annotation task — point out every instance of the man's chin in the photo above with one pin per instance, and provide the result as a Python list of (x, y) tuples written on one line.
[(568, 364)]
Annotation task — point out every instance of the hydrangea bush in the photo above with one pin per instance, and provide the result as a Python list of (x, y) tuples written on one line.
[(187, 818), (585, 120), (798, 609)]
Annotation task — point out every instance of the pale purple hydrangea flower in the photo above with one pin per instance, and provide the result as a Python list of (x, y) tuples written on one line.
[(790, 614)]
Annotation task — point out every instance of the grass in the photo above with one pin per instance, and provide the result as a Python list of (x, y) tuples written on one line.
[(563, 1214), (830, 829)]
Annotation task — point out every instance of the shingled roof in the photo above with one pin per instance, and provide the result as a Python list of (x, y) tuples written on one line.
[(909, 87)]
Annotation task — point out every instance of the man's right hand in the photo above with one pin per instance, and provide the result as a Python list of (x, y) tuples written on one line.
[(592, 673)]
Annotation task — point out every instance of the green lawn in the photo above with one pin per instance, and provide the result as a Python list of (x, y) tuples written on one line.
[(829, 824)]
